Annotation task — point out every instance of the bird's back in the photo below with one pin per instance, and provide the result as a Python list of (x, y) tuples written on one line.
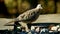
[(29, 15)]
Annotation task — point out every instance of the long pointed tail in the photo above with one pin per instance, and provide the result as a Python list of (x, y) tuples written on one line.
[(14, 20), (11, 21)]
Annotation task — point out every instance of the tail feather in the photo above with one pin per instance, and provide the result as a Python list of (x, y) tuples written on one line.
[(11, 21), (14, 20)]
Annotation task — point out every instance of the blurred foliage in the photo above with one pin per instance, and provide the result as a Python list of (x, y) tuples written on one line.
[(10, 3), (58, 7), (23, 7)]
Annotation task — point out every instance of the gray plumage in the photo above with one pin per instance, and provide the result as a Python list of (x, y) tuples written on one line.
[(29, 15)]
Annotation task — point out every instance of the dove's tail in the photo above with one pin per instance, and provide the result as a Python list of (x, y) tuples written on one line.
[(14, 20), (11, 21)]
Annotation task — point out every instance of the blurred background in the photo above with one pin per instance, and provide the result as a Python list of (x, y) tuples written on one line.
[(12, 8)]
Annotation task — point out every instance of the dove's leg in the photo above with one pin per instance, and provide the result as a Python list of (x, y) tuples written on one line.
[(24, 25)]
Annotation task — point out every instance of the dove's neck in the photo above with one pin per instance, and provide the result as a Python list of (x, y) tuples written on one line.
[(37, 7)]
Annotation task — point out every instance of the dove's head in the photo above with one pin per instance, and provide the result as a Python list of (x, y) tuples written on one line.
[(39, 6)]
